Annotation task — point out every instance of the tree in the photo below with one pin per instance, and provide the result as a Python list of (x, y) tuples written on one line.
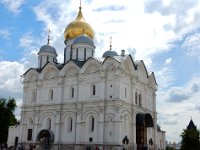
[(190, 139), (7, 117), (169, 148)]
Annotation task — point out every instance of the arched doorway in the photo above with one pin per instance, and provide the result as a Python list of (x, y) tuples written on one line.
[(16, 141), (143, 121), (45, 138)]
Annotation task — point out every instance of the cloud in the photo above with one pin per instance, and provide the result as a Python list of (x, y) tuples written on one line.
[(168, 61), (183, 14), (191, 45), (197, 107), (110, 8), (170, 122), (13, 5), (187, 92), (5, 33), (10, 85)]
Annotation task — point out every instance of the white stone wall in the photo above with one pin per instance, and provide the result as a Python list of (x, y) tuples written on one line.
[(113, 105)]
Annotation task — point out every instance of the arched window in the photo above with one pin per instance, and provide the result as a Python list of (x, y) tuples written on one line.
[(72, 92), (140, 100), (33, 96), (69, 124), (48, 123), (51, 94), (93, 89), (30, 121), (91, 123)]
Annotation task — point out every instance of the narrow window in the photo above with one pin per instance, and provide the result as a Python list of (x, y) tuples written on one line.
[(84, 53), (70, 123), (49, 123), (136, 95), (51, 94), (71, 53), (40, 62), (29, 136), (77, 54), (92, 129), (93, 90), (47, 58), (140, 100), (72, 92)]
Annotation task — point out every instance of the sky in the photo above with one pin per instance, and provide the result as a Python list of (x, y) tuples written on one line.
[(163, 33)]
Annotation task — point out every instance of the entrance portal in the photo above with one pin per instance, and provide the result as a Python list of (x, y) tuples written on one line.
[(45, 138), (143, 120)]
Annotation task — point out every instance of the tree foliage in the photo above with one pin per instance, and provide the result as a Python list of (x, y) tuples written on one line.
[(7, 117), (169, 148), (190, 139)]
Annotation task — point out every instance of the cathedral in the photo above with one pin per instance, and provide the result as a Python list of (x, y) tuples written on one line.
[(87, 103)]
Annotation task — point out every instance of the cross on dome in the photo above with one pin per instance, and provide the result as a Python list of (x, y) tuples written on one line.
[(48, 39)]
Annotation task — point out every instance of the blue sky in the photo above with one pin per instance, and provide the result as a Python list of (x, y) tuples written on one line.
[(164, 33)]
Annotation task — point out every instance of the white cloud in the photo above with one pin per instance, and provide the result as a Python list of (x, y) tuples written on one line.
[(192, 45), (10, 79), (5, 33), (186, 92), (13, 5), (168, 61), (170, 122)]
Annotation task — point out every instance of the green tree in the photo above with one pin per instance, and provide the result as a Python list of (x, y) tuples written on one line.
[(190, 139), (7, 117), (169, 148)]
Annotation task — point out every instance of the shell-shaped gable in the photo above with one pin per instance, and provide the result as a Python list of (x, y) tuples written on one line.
[(110, 64), (128, 65), (152, 81), (31, 75), (142, 72), (50, 71), (70, 69), (91, 66)]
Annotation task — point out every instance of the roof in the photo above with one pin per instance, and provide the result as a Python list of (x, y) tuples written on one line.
[(109, 53), (83, 39), (191, 125), (47, 48)]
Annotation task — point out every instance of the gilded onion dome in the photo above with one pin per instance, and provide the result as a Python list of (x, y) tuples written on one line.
[(78, 27)]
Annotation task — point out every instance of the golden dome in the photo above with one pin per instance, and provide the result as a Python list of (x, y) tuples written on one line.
[(78, 27)]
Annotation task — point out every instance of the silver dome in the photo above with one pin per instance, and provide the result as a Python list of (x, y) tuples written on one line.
[(83, 39), (47, 48), (109, 53)]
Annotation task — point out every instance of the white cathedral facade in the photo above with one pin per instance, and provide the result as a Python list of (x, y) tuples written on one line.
[(85, 102)]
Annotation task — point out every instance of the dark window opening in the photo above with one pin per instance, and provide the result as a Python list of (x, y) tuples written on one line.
[(72, 92), (93, 90), (92, 123), (90, 139), (84, 53), (71, 53), (77, 54), (29, 136)]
